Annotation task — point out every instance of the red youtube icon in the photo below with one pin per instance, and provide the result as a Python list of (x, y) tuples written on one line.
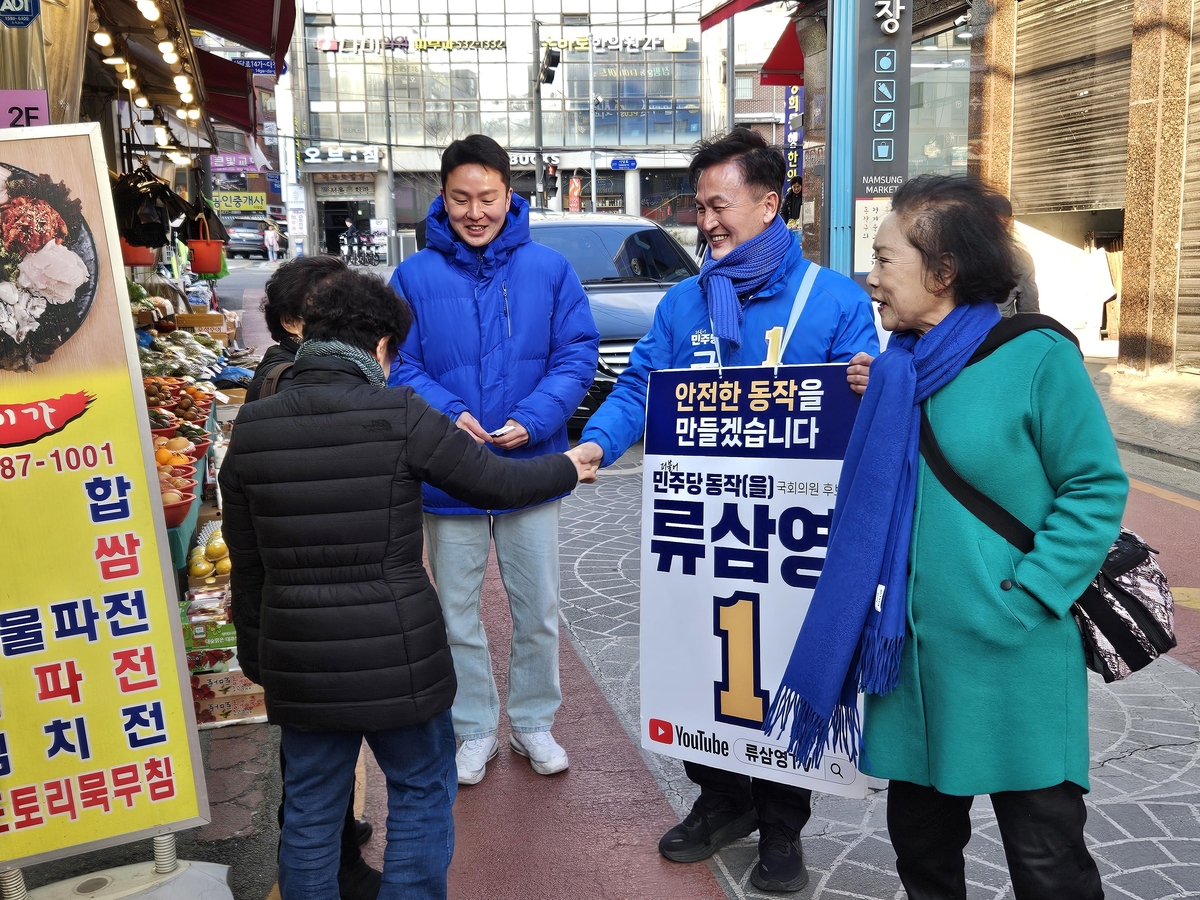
[(662, 731)]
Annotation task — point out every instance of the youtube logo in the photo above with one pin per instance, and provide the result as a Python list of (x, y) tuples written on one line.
[(662, 731)]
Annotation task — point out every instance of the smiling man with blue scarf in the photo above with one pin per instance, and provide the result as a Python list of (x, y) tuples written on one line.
[(733, 314)]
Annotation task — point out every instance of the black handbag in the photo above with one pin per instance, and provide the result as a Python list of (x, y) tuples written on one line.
[(1126, 615)]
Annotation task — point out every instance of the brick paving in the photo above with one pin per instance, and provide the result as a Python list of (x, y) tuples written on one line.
[(1144, 808)]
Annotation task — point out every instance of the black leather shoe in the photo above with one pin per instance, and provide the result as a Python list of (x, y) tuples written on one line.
[(704, 832), (359, 881), (362, 831), (780, 861)]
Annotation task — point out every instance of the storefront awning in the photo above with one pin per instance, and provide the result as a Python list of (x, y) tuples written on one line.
[(230, 90), (726, 10), (262, 25), (785, 65)]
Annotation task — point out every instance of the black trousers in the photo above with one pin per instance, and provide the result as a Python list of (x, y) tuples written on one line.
[(351, 853), (776, 804), (1042, 833)]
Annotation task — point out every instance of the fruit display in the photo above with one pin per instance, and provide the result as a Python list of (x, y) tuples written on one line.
[(161, 417), (209, 559), (157, 393)]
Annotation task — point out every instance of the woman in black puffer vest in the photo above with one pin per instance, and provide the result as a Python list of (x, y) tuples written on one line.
[(336, 617)]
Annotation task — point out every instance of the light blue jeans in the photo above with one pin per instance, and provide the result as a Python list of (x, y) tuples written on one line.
[(527, 550)]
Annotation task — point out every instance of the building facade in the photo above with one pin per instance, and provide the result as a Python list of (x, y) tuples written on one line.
[(365, 77)]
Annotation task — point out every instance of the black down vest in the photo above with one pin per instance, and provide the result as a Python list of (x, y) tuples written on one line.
[(321, 487)]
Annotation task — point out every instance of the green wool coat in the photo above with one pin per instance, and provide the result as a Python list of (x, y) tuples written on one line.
[(993, 691)]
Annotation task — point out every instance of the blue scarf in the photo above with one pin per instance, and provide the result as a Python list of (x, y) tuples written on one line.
[(853, 635), (741, 272)]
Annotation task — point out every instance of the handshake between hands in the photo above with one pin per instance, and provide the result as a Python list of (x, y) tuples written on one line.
[(586, 457)]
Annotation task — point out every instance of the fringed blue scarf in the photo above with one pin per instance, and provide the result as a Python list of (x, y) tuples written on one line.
[(745, 269), (853, 635)]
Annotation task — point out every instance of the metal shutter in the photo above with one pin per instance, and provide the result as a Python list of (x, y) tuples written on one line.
[(1071, 104), (1187, 322)]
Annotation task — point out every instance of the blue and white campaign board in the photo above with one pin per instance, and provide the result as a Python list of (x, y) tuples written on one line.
[(741, 477)]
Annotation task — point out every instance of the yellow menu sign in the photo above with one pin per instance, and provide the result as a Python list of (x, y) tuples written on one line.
[(97, 728)]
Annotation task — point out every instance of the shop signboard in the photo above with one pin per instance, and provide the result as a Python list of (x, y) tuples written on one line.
[(793, 130), (880, 118), (575, 194), (97, 728), (24, 109), (343, 190), (19, 13), (239, 201), (232, 162), (741, 476), (297, 221)]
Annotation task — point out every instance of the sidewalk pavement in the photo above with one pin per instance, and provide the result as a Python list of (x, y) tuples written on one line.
[(1156, 416)]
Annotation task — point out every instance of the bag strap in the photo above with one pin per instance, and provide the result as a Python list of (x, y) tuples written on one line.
[(981, 506), (270, 383), (802, 295), (1007, 329)]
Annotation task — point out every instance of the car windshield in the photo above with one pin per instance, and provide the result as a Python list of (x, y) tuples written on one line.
[(617, 253), (247, 224)]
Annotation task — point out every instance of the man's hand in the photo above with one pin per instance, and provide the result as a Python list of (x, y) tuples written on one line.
[(471, 426), (590, 453), (586, 464), (518, 437), (859, 371)]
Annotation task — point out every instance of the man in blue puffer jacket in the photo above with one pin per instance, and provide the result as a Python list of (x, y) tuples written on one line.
[(504, 343), (756, 301)]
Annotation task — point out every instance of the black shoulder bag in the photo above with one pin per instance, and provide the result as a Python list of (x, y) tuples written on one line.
[(1126, 615)]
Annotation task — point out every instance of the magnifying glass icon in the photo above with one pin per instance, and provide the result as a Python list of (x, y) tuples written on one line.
[(835, 769)]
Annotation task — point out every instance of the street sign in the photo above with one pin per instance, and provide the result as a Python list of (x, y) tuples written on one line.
[(258, 66), (623, 164), (19, 13)]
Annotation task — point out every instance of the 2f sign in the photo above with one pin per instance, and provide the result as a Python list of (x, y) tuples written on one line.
[(23, 109)]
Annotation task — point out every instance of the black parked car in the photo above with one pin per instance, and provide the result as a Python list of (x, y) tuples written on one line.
[(626, 264)]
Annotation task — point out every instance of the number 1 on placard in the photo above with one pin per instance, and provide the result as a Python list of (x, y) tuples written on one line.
[(774, 338), (740, 699)]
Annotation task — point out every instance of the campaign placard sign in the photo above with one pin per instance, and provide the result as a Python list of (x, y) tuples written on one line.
[(741, 477), (97, 727)]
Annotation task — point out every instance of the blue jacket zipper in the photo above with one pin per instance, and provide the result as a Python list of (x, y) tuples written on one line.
[(507, 317)]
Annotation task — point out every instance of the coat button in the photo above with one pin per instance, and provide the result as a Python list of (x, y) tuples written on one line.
[(1006, 585)]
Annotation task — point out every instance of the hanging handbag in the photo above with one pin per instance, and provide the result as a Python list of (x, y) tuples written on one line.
[(1126, 615)]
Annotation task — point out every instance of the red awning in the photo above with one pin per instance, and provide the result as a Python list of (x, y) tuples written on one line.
[(785, 65), (262, 25), (732, 8), (230, 90)]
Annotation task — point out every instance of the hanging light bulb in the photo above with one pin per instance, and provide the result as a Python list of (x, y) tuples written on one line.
[(186, 97), (102, 38), (141, 102), (149, 10), (166, 46), (160, 136), (181, 82), (114, 60), (129, 84), (181, 112), (193, 114), (170, 57)]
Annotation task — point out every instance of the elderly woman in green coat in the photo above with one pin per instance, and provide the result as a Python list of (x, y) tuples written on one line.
[(972, 663)]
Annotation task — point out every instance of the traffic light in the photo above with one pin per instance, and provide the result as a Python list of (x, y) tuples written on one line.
[(549, 64), (550, 181)]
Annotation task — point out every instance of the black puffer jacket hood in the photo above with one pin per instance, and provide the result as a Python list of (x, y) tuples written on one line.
[(321, 485)]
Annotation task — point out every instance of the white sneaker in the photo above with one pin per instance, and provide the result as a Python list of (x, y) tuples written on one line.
[(472, 758), (542, 751)]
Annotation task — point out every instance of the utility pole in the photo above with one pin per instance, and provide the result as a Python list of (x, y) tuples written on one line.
[(393, 239), (539, 189), (730, 76), (592, 116)]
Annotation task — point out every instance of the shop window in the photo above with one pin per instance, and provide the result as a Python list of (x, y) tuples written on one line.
[(687, 122), (266, 100), (668, 197), (661, 128), (354, 128), (938, 104), (324, 126), (495, 125), (633, 122)]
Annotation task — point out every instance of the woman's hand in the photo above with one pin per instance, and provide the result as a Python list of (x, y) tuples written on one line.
[(859, 371), (471, 426)]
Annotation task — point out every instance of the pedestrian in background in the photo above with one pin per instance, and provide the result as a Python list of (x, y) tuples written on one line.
[(287, 294), (753, 276), (271, 242), (504, 343), (793, 205), (1023, 298), (972, 662), (335, 616)]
